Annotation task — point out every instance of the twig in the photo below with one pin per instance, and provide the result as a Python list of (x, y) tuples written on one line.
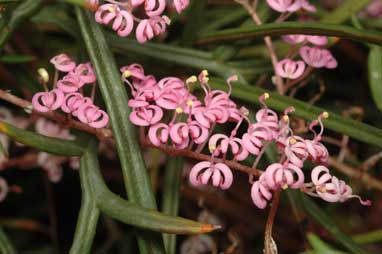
[(269, 244), (54, 116)]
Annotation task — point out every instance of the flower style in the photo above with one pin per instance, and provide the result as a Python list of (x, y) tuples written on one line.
[(316, 150), (92, 115), (63, 62), (123, 22), (318, 58), (202, 172), (48, 101), (290, 69)]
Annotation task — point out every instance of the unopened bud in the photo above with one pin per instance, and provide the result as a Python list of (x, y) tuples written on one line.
[(266, 95), (191, 80), (44, 75), (325, 115)]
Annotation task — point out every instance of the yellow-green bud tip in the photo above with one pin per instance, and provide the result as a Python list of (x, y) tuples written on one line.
[(43, 74)]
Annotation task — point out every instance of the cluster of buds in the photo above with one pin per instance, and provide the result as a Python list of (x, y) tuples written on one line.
[(67, 93), (121, 16), (192, 122)]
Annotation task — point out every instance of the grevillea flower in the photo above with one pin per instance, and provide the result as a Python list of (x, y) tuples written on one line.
[(220, 143), (305, 5), (317, 40), (171, 91), (92, 115), (70, 84), (317, 57), (73, 101), (316, 150), (290, 69), (294, 38), (373, 10), (148, 28), (295, 150), (158, 134), (85, 73), (145, 116), (154, 7), (180, 5), (283, 176), (47, 101), (202, 172), (285, 5), (135, 71), (63, 62), (254, 139), (180, 134), (346, 193), (261, 192), (123, 22)]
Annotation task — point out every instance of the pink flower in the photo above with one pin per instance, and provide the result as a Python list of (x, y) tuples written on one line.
[(73, 101), (92, 115), (326, 186), (255, 137), (145, 116), (284, 176), (85, 73), (316, 150), (317, 40), (148, 28), (47, 101), (154, 7), (180, 5), (69, 84), (136, 72), (123, 21), (295, 150), (158, 134), (290, 69), (202, 172), (346, 193), (285, 5), (63, 62), (234, 144), (170, 93), (261, 193), (51, 129), (294, 38), (318, 58), (180, 134), (305, 5)]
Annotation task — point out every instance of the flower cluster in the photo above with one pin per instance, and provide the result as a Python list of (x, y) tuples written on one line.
[(314, 56), (67, 92), (192, 122), (121, 16)]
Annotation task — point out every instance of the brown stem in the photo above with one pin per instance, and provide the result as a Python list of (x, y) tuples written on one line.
[(269, 244), (268, 43), (54, 116)]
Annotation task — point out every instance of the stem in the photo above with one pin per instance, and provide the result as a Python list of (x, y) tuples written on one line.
[(6, 247), (269, 244), (268, 42), (52, 215)]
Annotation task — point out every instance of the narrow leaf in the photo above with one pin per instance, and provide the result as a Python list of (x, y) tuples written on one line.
[(171, 196), (291, 27), (42, 143), (375, 74), (6, 247), (135, 175), (345, 11), (129, 212)]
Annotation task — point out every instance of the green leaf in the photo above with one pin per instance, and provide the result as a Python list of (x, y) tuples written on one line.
[(369, 237), (320, 247), (375, 74), (135, 175), (345, 11), (129, 212), (43, 143), (24, 10), (326, 222), (284, 28), (335, 122), (16, 59), (6, 247), (89, 212), (171, 196)]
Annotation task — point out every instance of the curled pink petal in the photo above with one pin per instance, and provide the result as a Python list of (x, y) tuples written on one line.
[(47, 101), (63, 62)]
